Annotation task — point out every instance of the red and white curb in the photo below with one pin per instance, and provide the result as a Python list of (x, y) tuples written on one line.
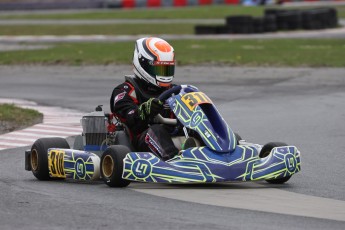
[(57, 122)]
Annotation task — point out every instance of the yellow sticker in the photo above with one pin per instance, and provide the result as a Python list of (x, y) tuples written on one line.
[(56, 163), (194, 99)]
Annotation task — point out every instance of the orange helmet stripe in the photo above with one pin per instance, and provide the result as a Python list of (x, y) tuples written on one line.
[(152, 51), (161, 84), (163, 46)]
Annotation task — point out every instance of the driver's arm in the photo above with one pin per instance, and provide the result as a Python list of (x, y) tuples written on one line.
[(135, 116), (126, 109)]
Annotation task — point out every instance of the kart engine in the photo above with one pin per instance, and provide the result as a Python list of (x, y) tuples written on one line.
[(95, 130)]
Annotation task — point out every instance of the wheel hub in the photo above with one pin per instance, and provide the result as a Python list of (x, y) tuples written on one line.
[(108, 166), (34, 160)]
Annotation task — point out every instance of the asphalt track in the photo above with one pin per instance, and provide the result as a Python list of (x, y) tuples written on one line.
[(304, 107)]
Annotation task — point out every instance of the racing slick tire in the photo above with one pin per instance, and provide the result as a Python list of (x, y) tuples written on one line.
[(265, 151), (39, 155), (238, 138), (78, 143), (112, 166)]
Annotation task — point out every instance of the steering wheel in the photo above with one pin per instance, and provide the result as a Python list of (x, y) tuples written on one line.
[(166, 94), (163, 97)]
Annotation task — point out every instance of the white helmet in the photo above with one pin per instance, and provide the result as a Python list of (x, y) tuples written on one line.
[(154, 61)]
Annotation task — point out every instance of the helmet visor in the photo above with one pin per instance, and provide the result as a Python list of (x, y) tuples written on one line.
[(158, 68), (164, 70)]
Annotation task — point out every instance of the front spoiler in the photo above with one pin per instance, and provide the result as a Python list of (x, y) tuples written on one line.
[(202, 165)]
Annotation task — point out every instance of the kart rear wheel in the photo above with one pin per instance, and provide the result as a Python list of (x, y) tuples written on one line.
[(78, 143), (265, 151), (39, 155), (112, 166)]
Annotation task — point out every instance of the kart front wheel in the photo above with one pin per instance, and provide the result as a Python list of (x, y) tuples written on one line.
[(238, 138), (39, 155), (265, 151), (112, 166)]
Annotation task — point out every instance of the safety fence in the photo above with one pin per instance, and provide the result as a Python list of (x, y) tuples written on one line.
[(80, 4)]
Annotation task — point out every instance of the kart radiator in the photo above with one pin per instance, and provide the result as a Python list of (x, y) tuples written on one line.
[(94, 131)]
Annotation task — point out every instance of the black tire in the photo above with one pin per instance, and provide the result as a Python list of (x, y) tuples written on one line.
[(289, 20), (122, 138), (239, 19), (319, 18), (240, 24), (112, 166), (78, 143), (238, 138), (265, 151), (205, 29), (258, 25), (270, 24), (39, 155), (273, 12), (223, 30)]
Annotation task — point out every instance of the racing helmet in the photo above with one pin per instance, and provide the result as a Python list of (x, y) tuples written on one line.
[(154, 61)]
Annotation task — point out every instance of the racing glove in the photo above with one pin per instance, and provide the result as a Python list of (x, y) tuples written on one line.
[(150, 108)]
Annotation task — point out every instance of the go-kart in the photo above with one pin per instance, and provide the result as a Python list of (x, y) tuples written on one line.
[(216, 154)]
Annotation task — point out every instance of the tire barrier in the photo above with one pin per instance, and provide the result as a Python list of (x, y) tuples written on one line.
[(275, 20), (319, 18)]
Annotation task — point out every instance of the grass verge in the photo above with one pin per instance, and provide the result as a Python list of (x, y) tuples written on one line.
[(266, 52), (115, 29), (13, 117), (201, 12)]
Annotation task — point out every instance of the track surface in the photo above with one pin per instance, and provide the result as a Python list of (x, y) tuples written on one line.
[(304, 107)]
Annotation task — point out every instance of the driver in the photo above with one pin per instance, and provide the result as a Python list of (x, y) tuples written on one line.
[(135, 102)]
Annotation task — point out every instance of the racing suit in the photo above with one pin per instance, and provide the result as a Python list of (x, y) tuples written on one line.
[(124, 104)]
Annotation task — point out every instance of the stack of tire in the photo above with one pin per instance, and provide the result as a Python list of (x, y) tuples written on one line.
[(275, 20), (312, 19), (241, 24)]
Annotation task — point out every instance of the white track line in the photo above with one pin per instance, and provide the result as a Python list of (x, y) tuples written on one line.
[(8, 137), (57, 122), (33, 130), (34, 135), (55, 127)]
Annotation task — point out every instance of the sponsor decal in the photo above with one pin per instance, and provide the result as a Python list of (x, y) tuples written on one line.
[(141, 168), (164, 63), (80, 168), (196, 119), (207, 134), (152, 144), (56, 163), (119, 97), (290, 162)]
